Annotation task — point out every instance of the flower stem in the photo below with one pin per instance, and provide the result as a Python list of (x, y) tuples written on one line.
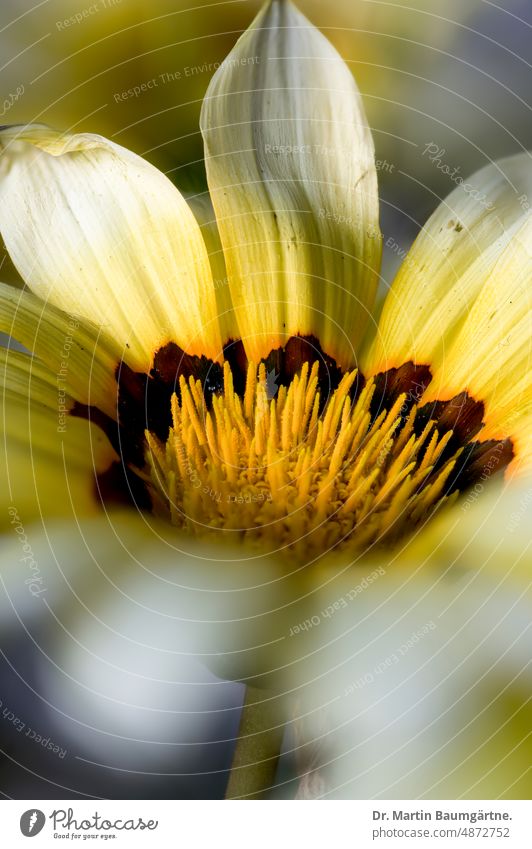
[(258, 746)]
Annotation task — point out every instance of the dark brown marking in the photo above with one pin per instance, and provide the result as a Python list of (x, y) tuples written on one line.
[(462, 414), (119, 485), (479, 462), (235, 355), (144, 400), (410, 379), (104, 422), (143, 403), (171, 363), (132, 413), (286, 362), (121, 437), (464, 417)]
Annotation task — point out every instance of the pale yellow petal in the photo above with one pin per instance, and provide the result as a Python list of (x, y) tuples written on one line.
[(49, 460), (290, 166), (491, 356), (82, 358), (203, 210), (487, 530), (25, 375), (448, 264), (101, 233)]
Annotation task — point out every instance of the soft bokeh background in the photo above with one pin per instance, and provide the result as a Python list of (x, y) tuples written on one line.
[(446, 72), (137, 716)]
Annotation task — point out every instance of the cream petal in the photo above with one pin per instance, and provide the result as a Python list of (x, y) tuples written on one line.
[(101, 233), (491, 355), (26, 376), (487, 530), (203, 210), (291, 171), (447, 267), (82, 358)]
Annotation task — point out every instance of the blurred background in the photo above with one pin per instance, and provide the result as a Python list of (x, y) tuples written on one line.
[(448, 74)]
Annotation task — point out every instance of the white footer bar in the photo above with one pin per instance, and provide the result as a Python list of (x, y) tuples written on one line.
[(267, 825)]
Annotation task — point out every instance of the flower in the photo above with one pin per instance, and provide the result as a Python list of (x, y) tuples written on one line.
[(229, 373), (223, 372)]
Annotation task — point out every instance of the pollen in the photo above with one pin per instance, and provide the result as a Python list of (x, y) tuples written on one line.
[(276, 469)]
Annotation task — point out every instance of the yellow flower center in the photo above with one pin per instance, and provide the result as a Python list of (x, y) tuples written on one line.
[(275, 469)]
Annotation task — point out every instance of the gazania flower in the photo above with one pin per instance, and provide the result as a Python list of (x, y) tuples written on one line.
[(228, 372), (268, 401)]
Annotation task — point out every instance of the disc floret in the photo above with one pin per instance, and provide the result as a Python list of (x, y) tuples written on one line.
[(286, 474)]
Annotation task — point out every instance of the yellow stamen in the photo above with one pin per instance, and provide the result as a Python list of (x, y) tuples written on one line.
[(285, 476)]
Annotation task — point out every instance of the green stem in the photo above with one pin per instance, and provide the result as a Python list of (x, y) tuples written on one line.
[(258, 746)]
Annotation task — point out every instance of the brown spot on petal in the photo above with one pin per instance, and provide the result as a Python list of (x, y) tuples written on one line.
[(479, 461), (284, 363), (462, 414), (121, 486), (410, 379), (235, 355), (170, 363), (144, 400)]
